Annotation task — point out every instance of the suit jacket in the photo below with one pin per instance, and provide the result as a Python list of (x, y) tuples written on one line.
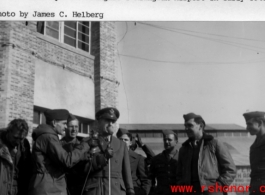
[(121, 179), (141, 182)]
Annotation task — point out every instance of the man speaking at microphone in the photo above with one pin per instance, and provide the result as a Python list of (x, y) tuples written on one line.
[(110, 166)]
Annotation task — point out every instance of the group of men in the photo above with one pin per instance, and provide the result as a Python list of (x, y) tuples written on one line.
[(104, 164)]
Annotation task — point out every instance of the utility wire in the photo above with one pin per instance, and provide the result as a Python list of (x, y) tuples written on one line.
[(235, 44), (183, 62), (232, 37), (128, 112), (124, 34)]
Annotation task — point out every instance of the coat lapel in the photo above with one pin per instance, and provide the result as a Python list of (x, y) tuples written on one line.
[(133, 154), (115, 144)]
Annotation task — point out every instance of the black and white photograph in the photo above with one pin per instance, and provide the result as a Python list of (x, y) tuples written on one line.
[(130, 107)]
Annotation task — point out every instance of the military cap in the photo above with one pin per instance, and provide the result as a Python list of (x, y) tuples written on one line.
[(108, 113), (56, 114), (167, 132), (191, 116), (256, 114), (71, 118), (121, 132)]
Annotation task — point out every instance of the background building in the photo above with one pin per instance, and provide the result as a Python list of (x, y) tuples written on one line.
[(235, 137)]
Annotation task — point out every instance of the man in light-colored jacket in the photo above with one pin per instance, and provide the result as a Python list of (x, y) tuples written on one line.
[(204, 163)]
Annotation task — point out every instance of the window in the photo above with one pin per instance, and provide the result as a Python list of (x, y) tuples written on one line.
[(83, 127), (75, 34), (39, 118), (182, 134), (244, 133)]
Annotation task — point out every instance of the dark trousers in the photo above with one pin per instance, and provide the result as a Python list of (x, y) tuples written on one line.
[(257, 186)]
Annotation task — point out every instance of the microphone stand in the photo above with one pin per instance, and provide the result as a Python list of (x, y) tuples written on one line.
[(109, 139)]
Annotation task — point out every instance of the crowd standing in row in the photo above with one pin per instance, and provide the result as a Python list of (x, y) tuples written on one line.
[(103, 164)]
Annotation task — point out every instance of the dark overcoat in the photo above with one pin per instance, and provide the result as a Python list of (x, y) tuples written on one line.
[(11, 184), (163, 170), (121, 179), (75, 176), (141, 182), (50, 161), (257, 165)]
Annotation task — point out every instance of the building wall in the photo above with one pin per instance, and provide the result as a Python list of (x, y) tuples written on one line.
[(38, 71), (64, 75), (17, 71), (104, 50)]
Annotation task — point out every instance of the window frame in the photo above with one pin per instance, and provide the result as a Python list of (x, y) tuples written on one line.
[(61, 34)]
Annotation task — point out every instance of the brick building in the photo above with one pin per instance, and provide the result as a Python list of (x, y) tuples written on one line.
[(49, 65)]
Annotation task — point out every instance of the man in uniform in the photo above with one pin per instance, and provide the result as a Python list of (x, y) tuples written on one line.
[(256, 126), (204, 162), (163, 166), (14, 158), (110, 167), (49, 157), (141, 183), (75, 177)]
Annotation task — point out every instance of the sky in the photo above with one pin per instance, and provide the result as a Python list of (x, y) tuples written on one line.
[(167, 69)]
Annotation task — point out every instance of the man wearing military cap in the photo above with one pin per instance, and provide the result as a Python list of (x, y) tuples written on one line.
[(141, 182), (163, 166), (203, 160), (110, 160), (255, 122), (49, 157)]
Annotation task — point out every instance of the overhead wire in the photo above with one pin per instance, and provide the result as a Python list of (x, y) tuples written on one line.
[(235, 44), (233, 37), (183, 62), (128, 112), (240, 45)]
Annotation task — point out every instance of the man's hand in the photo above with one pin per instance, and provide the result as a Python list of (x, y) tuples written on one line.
[(109, 152), (99, 161)]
